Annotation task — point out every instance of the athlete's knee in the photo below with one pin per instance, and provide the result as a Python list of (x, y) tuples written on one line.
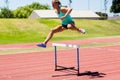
[(52, 30)]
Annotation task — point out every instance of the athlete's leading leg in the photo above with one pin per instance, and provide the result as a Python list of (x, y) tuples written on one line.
[(55, 30), (50, 35)]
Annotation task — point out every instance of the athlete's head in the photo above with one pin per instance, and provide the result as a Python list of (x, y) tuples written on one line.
[(56, 3)]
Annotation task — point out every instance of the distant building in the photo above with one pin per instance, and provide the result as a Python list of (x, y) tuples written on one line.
[(77, 14), (114, 18)]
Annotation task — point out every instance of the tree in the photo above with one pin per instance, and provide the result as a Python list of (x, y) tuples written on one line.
[(115, 8), (24, 12), (36, 5), (6, 13), (103, 16)]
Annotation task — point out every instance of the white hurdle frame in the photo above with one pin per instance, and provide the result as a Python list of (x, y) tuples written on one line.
[(66, 45)]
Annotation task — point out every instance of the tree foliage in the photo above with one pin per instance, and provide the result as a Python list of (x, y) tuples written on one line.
[(6, 13), (22, 12), (103, 16), (115, 8), (36, 5)]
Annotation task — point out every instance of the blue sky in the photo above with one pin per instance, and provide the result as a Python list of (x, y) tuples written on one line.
[(93, 5)]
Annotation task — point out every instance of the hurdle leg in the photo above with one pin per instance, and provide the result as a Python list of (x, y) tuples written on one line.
[(78, 62), (55, 57)]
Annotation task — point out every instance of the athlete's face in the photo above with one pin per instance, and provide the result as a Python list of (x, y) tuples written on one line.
[(55, 4)]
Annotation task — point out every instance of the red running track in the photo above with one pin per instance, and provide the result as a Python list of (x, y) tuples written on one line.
[(96, 63)]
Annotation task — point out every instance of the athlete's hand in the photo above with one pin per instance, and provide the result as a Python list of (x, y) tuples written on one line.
[(62, 17)]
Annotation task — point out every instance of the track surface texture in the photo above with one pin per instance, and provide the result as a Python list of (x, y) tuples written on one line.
[(96, 63)]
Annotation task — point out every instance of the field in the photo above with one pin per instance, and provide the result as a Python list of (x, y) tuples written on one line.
[(14, 31)]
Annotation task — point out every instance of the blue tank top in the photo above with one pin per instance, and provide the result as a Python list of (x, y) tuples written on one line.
[(68, 19)]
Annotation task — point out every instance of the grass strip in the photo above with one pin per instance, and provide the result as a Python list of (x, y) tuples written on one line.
[(29, 50)]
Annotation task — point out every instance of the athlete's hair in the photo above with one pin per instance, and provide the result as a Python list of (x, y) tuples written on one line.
[(54, 1)]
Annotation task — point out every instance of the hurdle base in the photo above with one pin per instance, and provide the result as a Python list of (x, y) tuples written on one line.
[(58, 68), (78, 74)]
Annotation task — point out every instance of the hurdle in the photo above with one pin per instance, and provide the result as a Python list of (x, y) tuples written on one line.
[(55, 56)]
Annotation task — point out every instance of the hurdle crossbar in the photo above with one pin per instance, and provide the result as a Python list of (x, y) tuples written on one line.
[(66, 45)]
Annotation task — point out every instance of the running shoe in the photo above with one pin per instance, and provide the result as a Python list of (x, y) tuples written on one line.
[(83, 31), (41, 45)]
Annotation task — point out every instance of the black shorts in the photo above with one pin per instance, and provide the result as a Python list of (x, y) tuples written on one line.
[(65, 26)]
